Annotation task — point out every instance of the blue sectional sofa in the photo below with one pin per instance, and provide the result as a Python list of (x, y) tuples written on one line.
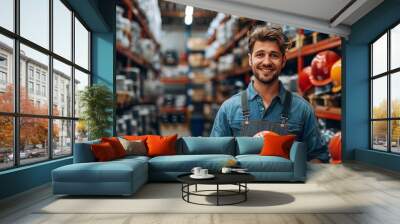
[(125, 176)]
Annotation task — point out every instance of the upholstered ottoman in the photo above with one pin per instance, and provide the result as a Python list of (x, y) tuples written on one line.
[(118, 177)]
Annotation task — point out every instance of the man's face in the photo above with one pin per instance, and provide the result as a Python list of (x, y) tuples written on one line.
[(266, 61)]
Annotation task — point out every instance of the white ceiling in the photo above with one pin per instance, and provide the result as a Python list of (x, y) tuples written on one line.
[(318, 15)]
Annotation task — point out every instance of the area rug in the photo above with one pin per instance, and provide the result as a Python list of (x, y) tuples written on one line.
[(167, 198)]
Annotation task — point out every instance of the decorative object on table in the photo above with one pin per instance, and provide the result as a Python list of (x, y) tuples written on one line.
[(236, 170), (232, 163), (200, 173), (97, 106)]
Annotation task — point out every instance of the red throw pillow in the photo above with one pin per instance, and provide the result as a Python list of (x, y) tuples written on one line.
[(277, 145), (161, 145), (103, 151), (116, 145)]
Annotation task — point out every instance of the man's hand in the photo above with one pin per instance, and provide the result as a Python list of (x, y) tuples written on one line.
[(315, 161)]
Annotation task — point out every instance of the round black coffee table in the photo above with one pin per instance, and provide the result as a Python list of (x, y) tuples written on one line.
[(238, 179)]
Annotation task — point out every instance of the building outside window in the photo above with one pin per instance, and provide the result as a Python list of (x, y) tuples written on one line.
[(3, 72), (30, 87), (34, 56), (30, 72), (43, 90)]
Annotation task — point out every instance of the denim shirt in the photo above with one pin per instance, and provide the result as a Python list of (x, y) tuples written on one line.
[(302, 120)]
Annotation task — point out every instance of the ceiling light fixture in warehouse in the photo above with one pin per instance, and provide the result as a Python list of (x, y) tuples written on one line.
[(188, 15)]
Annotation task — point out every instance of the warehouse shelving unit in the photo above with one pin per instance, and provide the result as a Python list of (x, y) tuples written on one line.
[(141, 111), (298, 54)]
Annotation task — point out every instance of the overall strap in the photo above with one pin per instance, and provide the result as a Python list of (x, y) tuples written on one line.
[(286, 108), (245, 106)]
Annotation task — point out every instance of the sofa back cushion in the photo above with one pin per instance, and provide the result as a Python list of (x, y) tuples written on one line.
[(249, 145), (83, 152), (206, 145)]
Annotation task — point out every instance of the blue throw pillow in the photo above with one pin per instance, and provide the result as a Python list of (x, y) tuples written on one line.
[(249, 145), (208, 145)]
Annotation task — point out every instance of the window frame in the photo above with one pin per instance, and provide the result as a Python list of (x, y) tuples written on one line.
[(388, 74), (16, 114)]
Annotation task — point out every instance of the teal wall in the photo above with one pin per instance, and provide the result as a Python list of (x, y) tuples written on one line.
[(356, 85), (99, 16)]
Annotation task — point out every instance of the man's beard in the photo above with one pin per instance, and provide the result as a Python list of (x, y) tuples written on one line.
[(268, 80)]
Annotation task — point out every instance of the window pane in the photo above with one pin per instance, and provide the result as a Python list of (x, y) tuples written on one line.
[(395, 47), (33, 100), (62, 29), (81, 81), (62, 89), (379, 98), (35, 21), (81, 132), (395, 135), (6, 142), (62, 138), (7, 14), (33, 139), (6, 74), (379, 55), (379, 135), (81, 45), (395, 94)]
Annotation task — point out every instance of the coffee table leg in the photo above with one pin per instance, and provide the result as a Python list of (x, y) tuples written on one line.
[(217, 194), (245, 191), (196, 188)]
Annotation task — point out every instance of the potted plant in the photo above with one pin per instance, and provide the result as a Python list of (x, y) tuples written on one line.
[(96, 102)]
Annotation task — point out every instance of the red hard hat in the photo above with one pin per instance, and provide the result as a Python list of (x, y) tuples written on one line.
[(303, 80), (335, 148), (321, 67)]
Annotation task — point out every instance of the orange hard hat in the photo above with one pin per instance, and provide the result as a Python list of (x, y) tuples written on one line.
[(336, 76), (321, 67), (335, 148), (303, 80)]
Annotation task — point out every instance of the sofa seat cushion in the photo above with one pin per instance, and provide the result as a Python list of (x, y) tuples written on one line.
[(185, 163), (112, 171), (257, 163), (133, 158)]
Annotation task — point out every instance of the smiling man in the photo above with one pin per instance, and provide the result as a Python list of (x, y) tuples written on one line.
[(266, 105)]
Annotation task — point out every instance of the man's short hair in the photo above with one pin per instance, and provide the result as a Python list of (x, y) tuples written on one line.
[(268, 33)]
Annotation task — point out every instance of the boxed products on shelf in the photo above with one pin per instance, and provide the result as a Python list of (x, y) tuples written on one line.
[(153, 16), (215, 23), (135, 38), (142, 119), (226, 62), (199, 78), (148, 48), (197, 43), (174, 100), (196, 60)]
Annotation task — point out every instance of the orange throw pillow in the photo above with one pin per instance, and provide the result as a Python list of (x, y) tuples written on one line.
[(135, 137), (277, 145), (116, 145), (103, 152), (161, 145)]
